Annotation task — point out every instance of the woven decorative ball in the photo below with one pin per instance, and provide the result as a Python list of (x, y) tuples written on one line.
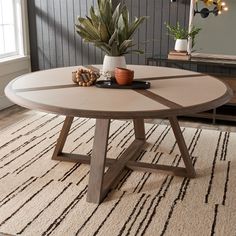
[(84, 77)]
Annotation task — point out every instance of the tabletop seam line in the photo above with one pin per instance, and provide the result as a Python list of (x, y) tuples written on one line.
[(158, 98)]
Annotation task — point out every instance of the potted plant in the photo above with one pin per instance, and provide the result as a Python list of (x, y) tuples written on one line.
[(181, 36), (110, 29)]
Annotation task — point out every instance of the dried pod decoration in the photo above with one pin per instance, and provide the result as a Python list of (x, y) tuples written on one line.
[(84, 77)]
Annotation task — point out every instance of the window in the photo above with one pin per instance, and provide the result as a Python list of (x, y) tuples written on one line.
[(11, 37)]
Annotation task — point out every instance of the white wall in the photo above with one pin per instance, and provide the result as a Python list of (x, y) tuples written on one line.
[(218, 34), (10, 68), (8, 71)]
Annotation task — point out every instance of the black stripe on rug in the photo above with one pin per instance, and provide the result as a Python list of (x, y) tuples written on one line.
[(28, 200), (46, 207), (65, 212), (17, 190), (213, 169)]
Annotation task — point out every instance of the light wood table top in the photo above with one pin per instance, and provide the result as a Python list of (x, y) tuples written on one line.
[(173, 92)]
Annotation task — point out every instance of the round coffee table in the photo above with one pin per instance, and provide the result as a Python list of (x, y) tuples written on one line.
[(173, 92)]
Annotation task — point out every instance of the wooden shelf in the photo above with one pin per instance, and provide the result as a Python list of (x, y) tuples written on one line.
[(214, 117)]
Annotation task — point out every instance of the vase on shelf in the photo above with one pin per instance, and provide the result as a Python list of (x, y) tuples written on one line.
[(181, 45)]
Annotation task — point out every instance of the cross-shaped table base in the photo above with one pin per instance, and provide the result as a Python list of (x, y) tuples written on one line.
[(99, 182)]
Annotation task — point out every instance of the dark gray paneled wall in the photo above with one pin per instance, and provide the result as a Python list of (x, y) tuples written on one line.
[(54, 42), (152, 35)]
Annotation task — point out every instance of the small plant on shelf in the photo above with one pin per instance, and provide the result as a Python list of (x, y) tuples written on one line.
[(181, 35)]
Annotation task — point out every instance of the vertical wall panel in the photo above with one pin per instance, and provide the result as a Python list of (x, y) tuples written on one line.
[(39, 39), (78, 40), (158, 27), (129, 6), (71, 32), (58, 34), (33, 35), (85, 47), (135, 9), (45, 34), (91, 49), (164, 46), (52, 36), (64, 32), (142, 32), (150, 29), (173, 18)]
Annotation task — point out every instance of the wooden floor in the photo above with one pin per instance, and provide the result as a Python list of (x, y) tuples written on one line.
[(13, 115), (16, 113), (2, 234)]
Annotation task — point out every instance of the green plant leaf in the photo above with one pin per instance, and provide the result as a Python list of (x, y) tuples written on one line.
[(94, 17), (109, 28), (115, 50), (84, 33), (136, 51), (105, 10), (177, 32), (104, 47), (88, 26), (125, 14), (104, 34), (115, 18), (134, 25), (125, 45), (113, 37)]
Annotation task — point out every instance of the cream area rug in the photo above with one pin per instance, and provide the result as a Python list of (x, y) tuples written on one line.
[(39, 196)]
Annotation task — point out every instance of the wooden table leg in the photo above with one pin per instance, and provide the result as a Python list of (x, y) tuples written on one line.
[(182, 146), (100, 183), (97, 164), (139, 129), (62, 137)]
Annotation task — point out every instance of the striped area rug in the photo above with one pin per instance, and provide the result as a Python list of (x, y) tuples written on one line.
[(39, 196)]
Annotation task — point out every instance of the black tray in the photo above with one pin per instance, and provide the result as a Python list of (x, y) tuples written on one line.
[(113, 85)]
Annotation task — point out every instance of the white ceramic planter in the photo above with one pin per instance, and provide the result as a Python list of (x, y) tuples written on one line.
[(181, 45), (110, 63)]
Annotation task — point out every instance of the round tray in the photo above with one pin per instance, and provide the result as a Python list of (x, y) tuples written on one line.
[(113, 85)]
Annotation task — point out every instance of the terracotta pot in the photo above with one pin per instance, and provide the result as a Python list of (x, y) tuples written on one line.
[(124, 76)]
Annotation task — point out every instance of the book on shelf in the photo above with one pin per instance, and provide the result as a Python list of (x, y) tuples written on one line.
[(178, 53), (173, 55)]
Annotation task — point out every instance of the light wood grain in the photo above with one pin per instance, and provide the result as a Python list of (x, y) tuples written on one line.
[(117, 168), (182, 146), (58, 96), (62, 137), (149, 167), (97, 165)]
